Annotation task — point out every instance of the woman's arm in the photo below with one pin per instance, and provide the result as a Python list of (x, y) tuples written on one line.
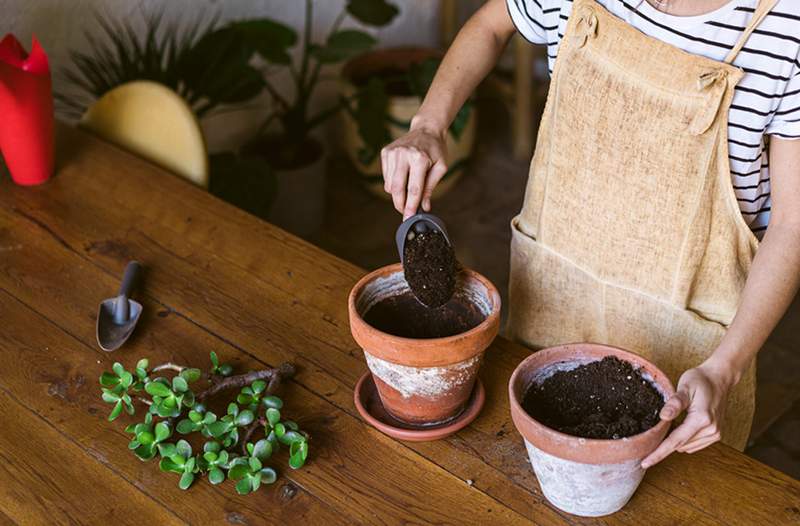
[(414, 164), (772, 284)]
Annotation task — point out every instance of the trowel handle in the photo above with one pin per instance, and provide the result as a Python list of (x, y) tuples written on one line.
[(132, 272)]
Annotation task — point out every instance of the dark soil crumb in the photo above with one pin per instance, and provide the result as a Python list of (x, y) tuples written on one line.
[(404, 316), (429, 264), (607, 399)]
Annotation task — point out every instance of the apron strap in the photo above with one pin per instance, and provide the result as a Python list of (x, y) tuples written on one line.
[(761, 12)]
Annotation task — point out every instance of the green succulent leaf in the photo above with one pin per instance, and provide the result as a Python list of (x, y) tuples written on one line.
[(163, 431), (244, 486), (280, 430), (254, 463), (290, 437), (183, 449), (225, 369), (167, 465), (146, 438), (291, 425), (245, 418), (157, 389), (214, 359), (273, 416), (167, 450), (145, 452), (195, 417), (262, 449), (238, 471), (179, 384), (186, 426), (372, 12), (273, 402), (115, 412), (218, 428), (110, 396), (109, 380), (233, 409), (216, 476), (118, 368), (186, 480), (191, 374), (268, 475)]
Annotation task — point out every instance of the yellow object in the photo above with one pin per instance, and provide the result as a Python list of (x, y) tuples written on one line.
[(153, 122), (631, 234)]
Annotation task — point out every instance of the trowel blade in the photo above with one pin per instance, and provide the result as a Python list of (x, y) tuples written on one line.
[(110, 335)]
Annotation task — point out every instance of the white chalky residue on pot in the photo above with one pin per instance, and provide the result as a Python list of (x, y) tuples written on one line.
[(588, 490), (428, 382)]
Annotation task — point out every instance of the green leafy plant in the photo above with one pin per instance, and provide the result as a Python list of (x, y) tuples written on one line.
[(174, 406), (371, 103), (273, 41), (205, 65)]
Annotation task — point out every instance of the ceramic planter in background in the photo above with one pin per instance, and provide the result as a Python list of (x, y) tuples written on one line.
[(583, 476), (423, 381)]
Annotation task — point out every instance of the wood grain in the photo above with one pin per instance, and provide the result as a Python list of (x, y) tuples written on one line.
[(68, 484), (219, 279)]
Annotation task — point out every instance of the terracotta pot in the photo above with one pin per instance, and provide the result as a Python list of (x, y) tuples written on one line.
[(583, 476), (401, 109), (423, 381)]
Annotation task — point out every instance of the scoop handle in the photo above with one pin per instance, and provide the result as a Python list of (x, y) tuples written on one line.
[(129, 278)]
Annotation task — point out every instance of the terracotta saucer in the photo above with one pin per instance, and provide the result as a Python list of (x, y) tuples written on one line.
[(369, 405)]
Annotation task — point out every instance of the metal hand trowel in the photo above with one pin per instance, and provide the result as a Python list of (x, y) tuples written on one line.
[(419, 223), (117, 317)]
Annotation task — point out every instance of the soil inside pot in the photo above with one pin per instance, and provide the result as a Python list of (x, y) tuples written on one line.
[(606, 399), (429, 265), (402, 315)]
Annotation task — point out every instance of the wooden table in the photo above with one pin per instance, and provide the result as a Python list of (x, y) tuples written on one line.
[(218, 279)]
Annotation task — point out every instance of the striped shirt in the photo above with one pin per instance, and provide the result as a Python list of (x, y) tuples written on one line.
[(767, 100)]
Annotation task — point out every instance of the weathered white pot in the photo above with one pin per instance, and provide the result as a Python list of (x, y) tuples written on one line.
[(583, 476), (423, 381)]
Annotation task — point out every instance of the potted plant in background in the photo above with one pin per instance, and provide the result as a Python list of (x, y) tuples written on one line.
[(287, 137), (207, 66), (382, 91)]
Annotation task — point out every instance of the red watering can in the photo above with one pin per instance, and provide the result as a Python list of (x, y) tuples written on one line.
[(26, 112)]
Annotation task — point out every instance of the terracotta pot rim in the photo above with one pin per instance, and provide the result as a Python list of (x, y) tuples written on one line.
[(588, 450), (428, 352)]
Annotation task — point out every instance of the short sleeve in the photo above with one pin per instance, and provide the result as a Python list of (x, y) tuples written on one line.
[(785, 121), (528, 17)]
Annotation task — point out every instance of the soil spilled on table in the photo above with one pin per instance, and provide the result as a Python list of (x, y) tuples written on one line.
[(404, 316), (606, 399), (429, 264)]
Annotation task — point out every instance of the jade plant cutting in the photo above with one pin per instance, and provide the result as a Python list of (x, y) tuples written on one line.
[(175, 407)]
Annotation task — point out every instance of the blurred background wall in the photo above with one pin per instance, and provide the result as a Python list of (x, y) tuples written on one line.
[(61, 25)]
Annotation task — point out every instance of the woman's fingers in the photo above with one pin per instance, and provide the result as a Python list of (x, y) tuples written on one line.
[(399, 181), (418, 170), (676, 439), (387, 176), (676, 405), (435, 175), (704, 438)]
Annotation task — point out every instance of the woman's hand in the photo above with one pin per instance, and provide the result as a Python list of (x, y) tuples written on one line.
[(412, 167), (702, 393)]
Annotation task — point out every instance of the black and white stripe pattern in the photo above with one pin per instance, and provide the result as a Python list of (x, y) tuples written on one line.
[(767, 100)]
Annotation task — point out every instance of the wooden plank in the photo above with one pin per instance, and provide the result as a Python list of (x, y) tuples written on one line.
[(348, 458), (45, 479), (519, 461)]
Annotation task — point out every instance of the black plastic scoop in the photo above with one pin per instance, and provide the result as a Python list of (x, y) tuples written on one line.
[(428, 259), (117, 317)]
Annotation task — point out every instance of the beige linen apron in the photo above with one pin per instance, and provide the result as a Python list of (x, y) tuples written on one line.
[(631, 234)]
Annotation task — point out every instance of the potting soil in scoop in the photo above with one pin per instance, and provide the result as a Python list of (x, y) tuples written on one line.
[(429, 264), (606, 399)]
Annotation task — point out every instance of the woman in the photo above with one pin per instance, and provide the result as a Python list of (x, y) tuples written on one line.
[(666, 149)]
